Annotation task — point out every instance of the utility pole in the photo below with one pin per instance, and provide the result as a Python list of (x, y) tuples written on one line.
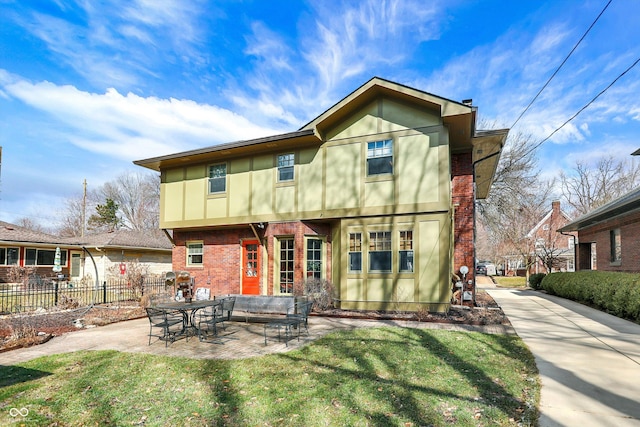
[(84, 206)]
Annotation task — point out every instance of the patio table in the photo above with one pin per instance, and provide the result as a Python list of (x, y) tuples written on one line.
[(188, 310)]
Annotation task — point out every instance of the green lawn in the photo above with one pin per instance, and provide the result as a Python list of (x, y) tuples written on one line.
[(510, 282), (367, 377)]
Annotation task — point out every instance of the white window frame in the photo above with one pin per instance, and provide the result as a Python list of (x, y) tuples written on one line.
[(213, 179), (191, 254), (321, 270), (405, 250), (377, 152), (286, 163), (378, 244), (355, 248)]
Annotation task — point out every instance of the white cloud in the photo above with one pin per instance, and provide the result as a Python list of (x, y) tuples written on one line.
[(130, 126), (337, 44)]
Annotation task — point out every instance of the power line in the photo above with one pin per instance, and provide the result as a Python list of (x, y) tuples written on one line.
[(561, 65), (583, 108), (535, 147)]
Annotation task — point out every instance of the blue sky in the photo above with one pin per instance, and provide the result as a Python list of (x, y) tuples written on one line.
[(87, 87)]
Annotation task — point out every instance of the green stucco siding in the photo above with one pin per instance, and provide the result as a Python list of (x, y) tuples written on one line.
[(239, 179), (310, 179), (262, 185), (418, 170), (194, 199), (433, 238), (344, 176), (172, 196)]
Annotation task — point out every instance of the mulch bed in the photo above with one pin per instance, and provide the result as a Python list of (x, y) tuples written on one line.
[(32, 329)]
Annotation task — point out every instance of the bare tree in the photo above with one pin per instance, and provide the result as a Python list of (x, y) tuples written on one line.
[(71, 220), (516, 202), (586, 188), (31, 224), (138, 198)]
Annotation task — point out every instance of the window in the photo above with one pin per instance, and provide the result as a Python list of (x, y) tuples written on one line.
[(405, 254), (616, 245), (379, 157), (43, 257), (195, 251), (314, 258), (355, 252), (380, 251), (218, 178), (285, 167), (8, 256), (286, 265)]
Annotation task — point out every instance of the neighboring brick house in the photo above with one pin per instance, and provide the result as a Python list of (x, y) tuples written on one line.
[(554, 250), (28, 248), (609, 235), (376, 195)]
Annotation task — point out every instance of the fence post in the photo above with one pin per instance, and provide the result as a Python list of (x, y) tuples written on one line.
[(55, 298), (104, 292)]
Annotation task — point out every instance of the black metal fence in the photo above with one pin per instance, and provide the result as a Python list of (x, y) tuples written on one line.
[(46, 294)]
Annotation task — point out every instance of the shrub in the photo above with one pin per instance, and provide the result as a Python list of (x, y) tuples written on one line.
[(535, 280), (612, 292), (319, 291)]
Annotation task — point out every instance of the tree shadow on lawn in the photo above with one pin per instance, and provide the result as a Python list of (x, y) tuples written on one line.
[(404, 396), (11, 375)]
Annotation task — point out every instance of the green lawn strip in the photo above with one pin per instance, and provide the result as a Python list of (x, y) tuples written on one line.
[(510, 282), (366, 377)]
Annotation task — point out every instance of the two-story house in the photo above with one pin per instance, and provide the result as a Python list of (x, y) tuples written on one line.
[(376, 195), (553, 250)]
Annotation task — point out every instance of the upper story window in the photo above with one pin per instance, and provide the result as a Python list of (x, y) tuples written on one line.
[(44, 257), (9, 256), (285, 167), (195, 252), (380, 157), (218, 178), (616, 245)]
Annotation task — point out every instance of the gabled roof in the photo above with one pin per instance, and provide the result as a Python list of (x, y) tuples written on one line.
[(458, 117), (545, 219), (626, 204), (454, 114), (11, 233)]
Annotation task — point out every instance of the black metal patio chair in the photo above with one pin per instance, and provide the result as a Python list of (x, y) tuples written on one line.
[(170, 324), (300, 313), (227, 308), (208, 319)]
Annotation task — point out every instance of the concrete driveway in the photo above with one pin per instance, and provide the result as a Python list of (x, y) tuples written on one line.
[(589, 361)]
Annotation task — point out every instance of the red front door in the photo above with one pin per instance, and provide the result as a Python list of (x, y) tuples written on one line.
[(250, 267)]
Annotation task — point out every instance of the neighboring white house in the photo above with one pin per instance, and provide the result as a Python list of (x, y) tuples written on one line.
[(27, 248)]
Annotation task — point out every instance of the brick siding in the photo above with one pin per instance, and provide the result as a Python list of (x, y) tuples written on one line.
[(463, 202), (222, 253), (629, 226)]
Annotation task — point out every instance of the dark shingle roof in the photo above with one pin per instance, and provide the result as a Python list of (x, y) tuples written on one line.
[(15, 233), (620, 206), (148, 239)]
